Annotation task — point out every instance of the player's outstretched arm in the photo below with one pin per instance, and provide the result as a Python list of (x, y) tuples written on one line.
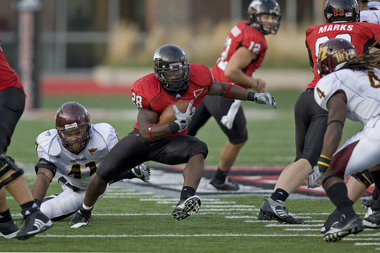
[(230, 90), (43, 180)]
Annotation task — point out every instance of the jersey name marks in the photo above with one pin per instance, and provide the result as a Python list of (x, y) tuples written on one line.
[(78, 160), (335, 27)]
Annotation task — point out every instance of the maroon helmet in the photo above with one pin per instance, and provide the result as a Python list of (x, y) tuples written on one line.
[(73, 126), (335, 54)]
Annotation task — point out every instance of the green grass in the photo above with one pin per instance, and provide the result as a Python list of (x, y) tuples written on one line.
[(271, 142)]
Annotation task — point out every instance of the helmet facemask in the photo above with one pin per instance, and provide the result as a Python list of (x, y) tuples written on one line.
[(75, 138), (171, 68), (73, 126), (175, 76)]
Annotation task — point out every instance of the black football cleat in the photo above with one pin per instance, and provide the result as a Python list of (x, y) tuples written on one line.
[(35, 223), (142, 172), (81, 218), (225, 186), (333, 217), (8, 229), (372, 218), (276, 210), (345, 226), (186, 208), (367, 203)]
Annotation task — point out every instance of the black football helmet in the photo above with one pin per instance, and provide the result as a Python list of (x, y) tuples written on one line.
[(335, 54), (258, 7), (171, 68), (72, 122), (342, 10)]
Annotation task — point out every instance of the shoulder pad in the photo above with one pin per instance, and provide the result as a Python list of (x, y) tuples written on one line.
[(48, 142), (106, 133), (200, 74)]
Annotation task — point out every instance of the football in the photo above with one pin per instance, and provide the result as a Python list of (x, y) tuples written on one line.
[(168, 114)]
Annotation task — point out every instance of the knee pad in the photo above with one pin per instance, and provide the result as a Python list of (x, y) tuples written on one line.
[(9, 172), (364, 177)]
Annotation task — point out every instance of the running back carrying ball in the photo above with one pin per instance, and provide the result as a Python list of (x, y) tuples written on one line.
[(168, 114)]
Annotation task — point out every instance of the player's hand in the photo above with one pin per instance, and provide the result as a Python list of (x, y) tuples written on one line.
[(183, 119), (314, 178), (260, 85), (265, 98)]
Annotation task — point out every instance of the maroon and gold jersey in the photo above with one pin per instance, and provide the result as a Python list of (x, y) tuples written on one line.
[(241, 35), (8, 78), (148, 93), (361, 35)]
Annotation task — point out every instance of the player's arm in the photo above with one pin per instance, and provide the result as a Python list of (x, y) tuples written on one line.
[(45, 171), (230, 90), (234, 69), (148, 129), (335, 122)]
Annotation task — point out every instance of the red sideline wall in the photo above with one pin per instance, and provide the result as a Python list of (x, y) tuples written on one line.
[(81, 86)]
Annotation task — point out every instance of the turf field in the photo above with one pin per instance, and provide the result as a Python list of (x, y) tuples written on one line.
[(130, 220)]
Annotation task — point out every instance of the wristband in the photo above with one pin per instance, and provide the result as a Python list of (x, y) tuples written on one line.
[(251, 96), (228, 90), (336, 121), (150, 132), (323, 163), (174, 127)]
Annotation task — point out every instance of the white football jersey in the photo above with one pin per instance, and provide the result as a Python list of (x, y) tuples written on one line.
[(370, 16), (373, 5), (361, 89), (77, 169), (360, 152)]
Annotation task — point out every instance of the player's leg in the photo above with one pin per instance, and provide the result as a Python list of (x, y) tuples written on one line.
[(356, 155), (8, 227), (356, 186), (372, 216), (310, 122), (179, 150), (129, 152), (237, 134), (349, 222), (63, 204)]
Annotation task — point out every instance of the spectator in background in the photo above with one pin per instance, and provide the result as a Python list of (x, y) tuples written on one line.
[(244, 50)]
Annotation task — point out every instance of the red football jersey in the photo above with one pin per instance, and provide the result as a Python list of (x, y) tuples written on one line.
[(362, 35), (8, 78), (241, 35), (148, 93)]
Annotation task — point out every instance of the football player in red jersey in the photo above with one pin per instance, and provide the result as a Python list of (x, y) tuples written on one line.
[(243, 53), (12, 103), (310, 119), (173, 79)]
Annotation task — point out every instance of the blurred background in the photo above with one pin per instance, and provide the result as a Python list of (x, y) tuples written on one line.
[(110, 43)]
